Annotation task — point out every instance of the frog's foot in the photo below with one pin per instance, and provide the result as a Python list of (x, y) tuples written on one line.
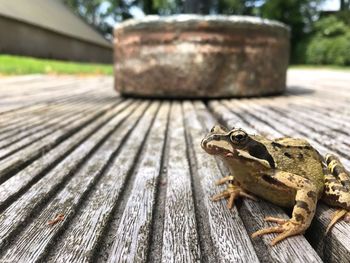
[(337, 216), (232, 193), (224, 180), (286, 228)]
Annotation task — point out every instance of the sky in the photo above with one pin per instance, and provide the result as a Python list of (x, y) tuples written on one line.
[(331, 5)]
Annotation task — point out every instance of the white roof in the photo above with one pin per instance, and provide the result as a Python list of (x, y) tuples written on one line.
[(53, 15)]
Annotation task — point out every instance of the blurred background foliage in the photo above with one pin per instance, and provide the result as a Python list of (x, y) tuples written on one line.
[(318, 37)]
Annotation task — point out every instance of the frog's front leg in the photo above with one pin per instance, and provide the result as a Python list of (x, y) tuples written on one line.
[(303, 211), (232, 192)]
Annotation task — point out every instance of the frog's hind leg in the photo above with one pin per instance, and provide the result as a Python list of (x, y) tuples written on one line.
[(337, 189), (232, 192), (303, 211), (335, 194), (337, 169)]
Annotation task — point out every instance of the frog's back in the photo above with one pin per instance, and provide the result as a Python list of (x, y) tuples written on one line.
[(296, 156)]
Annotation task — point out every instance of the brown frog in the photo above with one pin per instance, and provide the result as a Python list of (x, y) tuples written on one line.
[(288, 172)]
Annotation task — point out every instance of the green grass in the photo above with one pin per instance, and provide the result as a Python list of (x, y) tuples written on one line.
[(323, 67), (16, 65)]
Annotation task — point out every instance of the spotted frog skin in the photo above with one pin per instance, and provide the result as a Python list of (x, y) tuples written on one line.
[(288, 172)]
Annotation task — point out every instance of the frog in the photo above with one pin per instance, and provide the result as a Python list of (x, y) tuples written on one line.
[(288, 172)]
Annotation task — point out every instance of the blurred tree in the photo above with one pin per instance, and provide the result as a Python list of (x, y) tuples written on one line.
[(344, 5), (298, 14), (168, 7), (237, 7), (89, 10), (329, 42), (102, 14)]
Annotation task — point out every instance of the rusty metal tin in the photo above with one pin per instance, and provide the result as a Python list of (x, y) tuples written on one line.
[(192, 56)]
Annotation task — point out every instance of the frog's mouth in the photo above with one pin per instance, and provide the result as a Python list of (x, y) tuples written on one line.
[(217, 149)]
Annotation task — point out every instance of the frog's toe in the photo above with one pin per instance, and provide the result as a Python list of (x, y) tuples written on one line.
[(232, 193), (347, 217), (277, 220), (224, 180), (231, 200), (220, 196), (338, 215), (288, 232), (286, 229), (269, 230)]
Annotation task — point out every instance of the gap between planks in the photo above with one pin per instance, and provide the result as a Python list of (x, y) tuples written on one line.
[(58, 178)]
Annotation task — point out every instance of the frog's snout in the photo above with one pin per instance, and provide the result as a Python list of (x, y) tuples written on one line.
[(217, 144), (209, 147), (204, 143)]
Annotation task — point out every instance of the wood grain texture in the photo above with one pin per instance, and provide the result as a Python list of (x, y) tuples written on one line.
[(26, 177), (39, 233), (135, 185), (22, 209), (131, 238), (14, 143), (39, 114), (80, 241), (180, 238), (34, 150)]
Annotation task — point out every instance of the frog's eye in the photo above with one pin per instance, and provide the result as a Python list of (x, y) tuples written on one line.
[(238, 136)]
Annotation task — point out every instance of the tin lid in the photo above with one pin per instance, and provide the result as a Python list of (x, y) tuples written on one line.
[(201, 22)]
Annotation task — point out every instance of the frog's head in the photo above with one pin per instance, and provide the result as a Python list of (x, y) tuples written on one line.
[(223, 142), (236, 144)]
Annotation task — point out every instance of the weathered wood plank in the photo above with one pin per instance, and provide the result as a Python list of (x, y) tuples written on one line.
[(34, 114), (20, 140), (333, 247), (80, 241), (19, 159), (40, 235), (19, 79), (40, 121), (22, 180), (26, 206), (323, 81), (329, 126), (57, 85), (132, 235), (180, 238), (38, 97), (21, 102), (30, 88), (97, 174), (281, 125), (226, 237)]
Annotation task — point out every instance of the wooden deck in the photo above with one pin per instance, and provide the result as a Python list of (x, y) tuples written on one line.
[(134, 184)]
